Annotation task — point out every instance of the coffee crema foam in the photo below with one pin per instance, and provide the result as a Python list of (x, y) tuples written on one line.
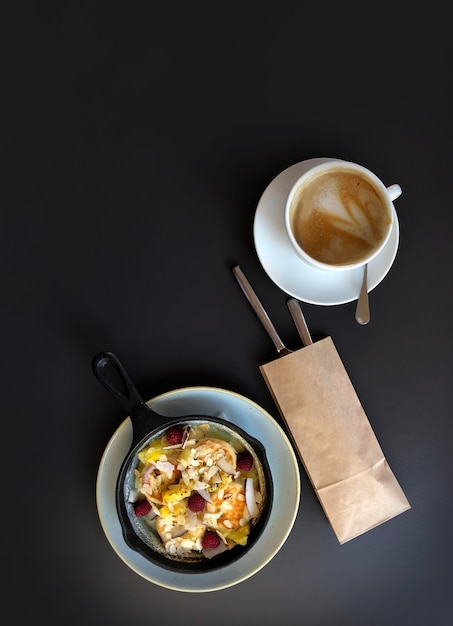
[(338, 217)]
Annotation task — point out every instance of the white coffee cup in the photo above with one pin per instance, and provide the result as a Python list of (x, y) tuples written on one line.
[(339, 215)]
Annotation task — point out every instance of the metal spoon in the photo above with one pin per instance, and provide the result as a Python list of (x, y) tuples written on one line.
[(362, 312)]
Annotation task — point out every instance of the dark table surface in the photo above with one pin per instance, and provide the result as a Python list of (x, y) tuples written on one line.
[(138, 141)]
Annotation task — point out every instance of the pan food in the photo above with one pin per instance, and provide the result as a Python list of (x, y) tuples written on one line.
[(194, 492)]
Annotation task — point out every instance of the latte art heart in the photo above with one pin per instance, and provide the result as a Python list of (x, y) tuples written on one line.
[(338, 217)]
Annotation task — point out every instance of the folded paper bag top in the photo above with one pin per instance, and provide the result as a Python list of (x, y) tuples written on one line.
[(336, 443)]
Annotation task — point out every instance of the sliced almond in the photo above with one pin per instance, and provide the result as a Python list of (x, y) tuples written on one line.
[(226, 466), (205, 495)]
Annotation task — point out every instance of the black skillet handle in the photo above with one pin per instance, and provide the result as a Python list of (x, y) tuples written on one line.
[(109, 370)]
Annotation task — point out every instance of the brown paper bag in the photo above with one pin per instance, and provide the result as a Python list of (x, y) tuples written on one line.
[(336, 443)]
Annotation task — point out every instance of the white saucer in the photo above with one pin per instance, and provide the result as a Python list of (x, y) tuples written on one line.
[(285, 474), (287, 270)]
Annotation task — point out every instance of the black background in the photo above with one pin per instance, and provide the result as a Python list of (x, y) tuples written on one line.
[(138, 138)]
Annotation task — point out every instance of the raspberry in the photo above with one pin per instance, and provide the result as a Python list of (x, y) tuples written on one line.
[(196, 502), (245, 461), (142, 507), (174, 435), (210, 540)]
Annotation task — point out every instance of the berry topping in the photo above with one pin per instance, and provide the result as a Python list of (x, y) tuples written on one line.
[(210, 540), (245, 461), (142, 507), (196, 503), (174, 435)]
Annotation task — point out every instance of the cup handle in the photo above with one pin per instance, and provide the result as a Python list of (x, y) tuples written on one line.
[(394, 192)]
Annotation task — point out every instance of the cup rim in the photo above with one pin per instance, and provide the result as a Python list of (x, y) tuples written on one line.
[(315, 170)]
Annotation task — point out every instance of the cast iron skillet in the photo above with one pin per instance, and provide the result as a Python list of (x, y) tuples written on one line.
[(146, 425)]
